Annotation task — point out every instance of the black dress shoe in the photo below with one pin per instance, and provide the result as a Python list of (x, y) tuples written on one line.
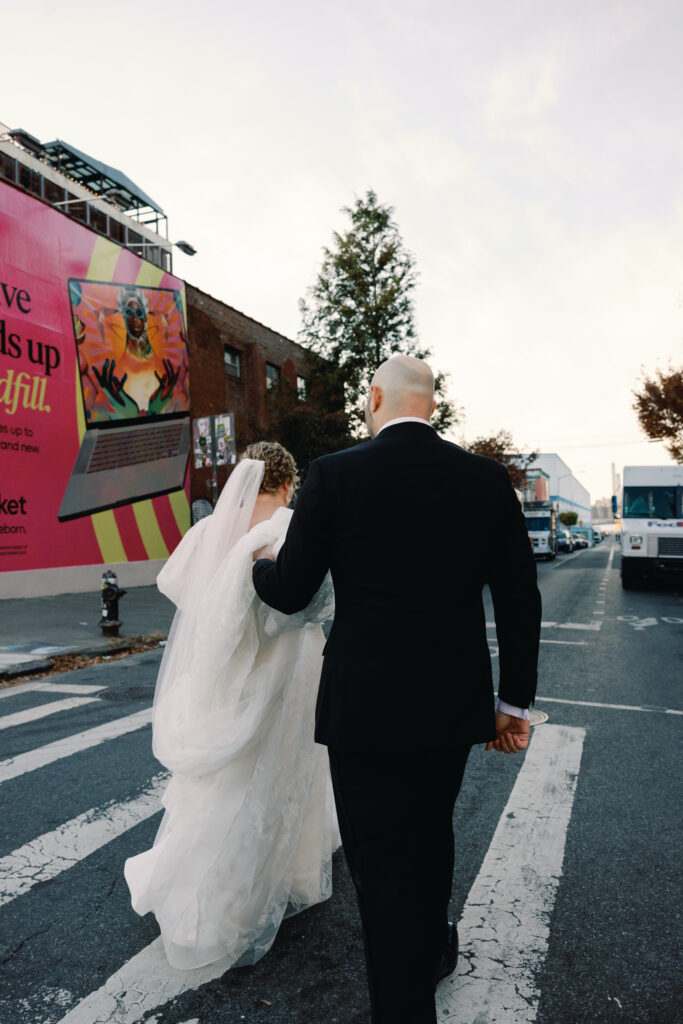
[(449, 957)]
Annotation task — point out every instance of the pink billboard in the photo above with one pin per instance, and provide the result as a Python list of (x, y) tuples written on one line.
[(94, 396)]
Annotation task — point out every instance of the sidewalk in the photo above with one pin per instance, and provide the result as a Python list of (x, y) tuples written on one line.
[(33, 629)]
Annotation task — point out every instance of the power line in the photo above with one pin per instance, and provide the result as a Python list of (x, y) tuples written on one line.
[(601, 444)]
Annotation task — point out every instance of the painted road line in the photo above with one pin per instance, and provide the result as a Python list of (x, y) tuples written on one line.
[(611, 556), (565, 643), (505, 926), (558, 565), (41, 756), (50, 854), (594, 626), (142, 984), (32, 714), (589, 626), (10, 691), (653, 709)]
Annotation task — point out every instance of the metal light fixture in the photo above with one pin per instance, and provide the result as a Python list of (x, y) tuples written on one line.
[(108, 196), (185, 247)]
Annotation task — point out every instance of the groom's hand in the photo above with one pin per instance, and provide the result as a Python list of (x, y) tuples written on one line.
[(265, 552), (512, 734)]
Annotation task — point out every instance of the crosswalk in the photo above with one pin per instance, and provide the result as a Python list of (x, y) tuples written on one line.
[(42, 756), (47, 856), (512, 896)]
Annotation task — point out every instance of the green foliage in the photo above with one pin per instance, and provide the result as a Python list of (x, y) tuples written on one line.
[(360, 310), (659, 405), (308, 428), (568, 518), (501, 447)]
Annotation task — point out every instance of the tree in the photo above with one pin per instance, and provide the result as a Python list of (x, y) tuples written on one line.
[(501, 447), (659, 406), (310, 427), (568, 518), (360, 309)]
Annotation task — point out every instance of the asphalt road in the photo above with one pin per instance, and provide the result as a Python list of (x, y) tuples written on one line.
[(566, 879)]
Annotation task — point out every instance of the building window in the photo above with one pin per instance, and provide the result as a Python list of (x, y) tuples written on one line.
[(272, 375), (98, 220), (7, 167), (117, 231), (301, 388), (134, 242), (55, 193), (232, 361), (78, 211), (31, 180)]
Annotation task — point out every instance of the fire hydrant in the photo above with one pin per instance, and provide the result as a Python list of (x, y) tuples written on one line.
[(111, 594)]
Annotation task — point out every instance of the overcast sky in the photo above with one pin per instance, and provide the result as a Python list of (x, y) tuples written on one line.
[(531, 150)]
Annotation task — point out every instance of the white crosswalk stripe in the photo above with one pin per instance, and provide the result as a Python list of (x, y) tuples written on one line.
[(19, 688), (505, 928), (41, 756), (50, 854), (143, 983), (33, 714)]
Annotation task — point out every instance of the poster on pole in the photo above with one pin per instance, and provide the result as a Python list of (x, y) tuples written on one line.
[(202, 446), (226, 450), (214, 436)]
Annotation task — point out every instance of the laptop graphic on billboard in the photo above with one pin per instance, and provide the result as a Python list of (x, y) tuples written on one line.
[(131, 346)]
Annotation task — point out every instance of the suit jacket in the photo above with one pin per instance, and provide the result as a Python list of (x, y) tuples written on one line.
[(411, 527)]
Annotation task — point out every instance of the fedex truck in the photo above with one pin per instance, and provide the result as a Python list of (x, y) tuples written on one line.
[(651, 524)]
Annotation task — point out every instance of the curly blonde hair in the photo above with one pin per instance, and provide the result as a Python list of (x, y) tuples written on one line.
[(280, 465)]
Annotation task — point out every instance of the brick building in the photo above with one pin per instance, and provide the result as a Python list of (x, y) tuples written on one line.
[(233, 361)]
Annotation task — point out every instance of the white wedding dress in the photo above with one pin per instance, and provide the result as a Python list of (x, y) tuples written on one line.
[(249, 826)]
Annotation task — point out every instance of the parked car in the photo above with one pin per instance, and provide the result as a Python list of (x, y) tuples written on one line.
[(565, 541), (580, 540)]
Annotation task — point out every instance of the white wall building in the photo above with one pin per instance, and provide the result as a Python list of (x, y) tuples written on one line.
[(565, 489)]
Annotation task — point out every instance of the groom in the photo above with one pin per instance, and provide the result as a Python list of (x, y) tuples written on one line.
[(411, 527)]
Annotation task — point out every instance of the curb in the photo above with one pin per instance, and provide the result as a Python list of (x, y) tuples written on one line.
[(28, 668), (25, 668)]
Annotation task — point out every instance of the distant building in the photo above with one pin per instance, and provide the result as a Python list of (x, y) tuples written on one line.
[(602, 510), (565, 489)]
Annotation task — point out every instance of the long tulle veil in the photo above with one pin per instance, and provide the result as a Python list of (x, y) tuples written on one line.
[(184, 737), (249, 828)]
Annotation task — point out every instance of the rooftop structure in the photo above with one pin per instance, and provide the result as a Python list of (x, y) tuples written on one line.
[(89, 191)]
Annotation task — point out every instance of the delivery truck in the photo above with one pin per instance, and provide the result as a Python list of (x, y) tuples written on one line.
[(651, 524), (541, 524)]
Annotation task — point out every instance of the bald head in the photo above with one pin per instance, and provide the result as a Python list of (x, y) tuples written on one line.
[(401, 386)]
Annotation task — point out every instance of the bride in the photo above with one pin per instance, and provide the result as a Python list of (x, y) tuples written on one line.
[(249, 826)]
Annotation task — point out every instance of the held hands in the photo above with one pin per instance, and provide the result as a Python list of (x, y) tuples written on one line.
[(512, 734)]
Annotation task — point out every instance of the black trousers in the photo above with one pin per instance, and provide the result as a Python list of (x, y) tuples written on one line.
[(395, 815)]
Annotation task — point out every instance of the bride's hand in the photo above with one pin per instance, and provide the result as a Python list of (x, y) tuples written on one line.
[(265, 552), (512, 734)]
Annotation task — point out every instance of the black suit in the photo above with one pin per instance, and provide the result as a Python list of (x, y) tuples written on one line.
[(411, 527)]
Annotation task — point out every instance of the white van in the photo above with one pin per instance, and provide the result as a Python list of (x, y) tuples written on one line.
[(651, 523)]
